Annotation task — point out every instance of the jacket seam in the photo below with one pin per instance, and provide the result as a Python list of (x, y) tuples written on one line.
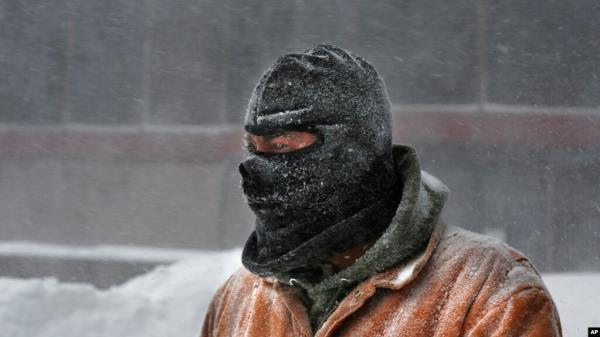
[(474, 299), (504, 301)]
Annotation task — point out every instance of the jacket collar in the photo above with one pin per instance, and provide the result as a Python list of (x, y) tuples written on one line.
[(395, 278), (406, 272)]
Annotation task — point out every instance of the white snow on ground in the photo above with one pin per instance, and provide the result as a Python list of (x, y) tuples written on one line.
[(577, 296), (171, 301), (102, 252)]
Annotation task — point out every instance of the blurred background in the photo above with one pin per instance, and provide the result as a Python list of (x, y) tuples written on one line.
[(120, 120)]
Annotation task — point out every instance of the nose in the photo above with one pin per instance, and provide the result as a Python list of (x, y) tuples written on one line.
[(256, 172)]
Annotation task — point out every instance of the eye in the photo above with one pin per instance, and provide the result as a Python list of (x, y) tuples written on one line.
[(283, 142)]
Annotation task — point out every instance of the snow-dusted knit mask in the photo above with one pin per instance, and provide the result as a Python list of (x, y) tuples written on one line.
[(339, 192)]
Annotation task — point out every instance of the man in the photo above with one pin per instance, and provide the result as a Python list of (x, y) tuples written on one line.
[(348, 240)]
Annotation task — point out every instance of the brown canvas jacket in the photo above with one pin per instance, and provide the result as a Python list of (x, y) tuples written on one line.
[(463, 284)]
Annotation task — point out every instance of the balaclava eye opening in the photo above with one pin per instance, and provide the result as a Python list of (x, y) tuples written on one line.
[(313, 203)]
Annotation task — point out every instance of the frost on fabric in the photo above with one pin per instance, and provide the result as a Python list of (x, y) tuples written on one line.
[(287, 118), (407, 272), (433, 183)]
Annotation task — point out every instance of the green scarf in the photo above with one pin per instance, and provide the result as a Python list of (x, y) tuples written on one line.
[(408, 233)]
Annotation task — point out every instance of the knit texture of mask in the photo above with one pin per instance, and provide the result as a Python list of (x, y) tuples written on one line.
[(408, 232), (341, 191)]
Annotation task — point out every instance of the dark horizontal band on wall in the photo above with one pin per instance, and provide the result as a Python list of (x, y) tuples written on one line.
[(418, 125), (133, 143), (552, 128)]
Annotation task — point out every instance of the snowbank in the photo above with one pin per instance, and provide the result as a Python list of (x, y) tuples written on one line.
[(171, 300), (577, 296)]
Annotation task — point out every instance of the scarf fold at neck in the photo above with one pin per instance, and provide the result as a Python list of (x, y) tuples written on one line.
[(408, 232), (367, 224)]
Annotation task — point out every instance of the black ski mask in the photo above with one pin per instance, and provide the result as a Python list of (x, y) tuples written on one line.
[(335, 194)]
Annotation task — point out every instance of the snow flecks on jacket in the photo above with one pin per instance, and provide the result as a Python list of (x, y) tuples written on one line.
[(470, 286)]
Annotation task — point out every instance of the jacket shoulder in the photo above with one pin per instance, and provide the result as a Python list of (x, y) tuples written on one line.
[(234, 289), (485, 261), (494, 271), (476, 247), (503, 286), (239, 283)]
